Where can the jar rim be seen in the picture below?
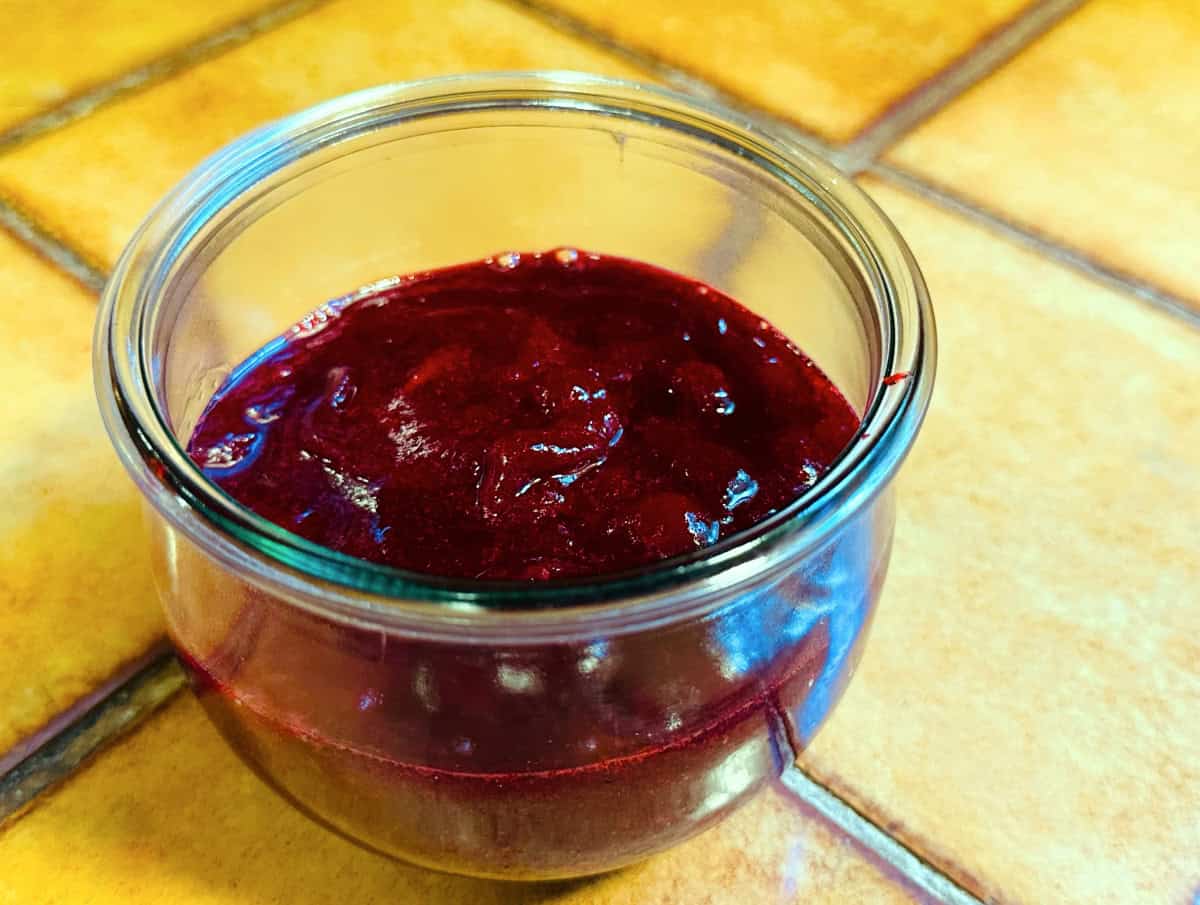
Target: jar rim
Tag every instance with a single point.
(333, 583)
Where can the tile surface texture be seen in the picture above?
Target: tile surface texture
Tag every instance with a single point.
(53, 51)
(832, 67)
(124, 157)
(76, 599)
(1028, 710)
(1088, 138)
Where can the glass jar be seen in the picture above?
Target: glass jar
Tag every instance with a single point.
(498, 729)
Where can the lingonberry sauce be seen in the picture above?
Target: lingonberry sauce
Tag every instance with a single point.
(525, 418)
(528, 417)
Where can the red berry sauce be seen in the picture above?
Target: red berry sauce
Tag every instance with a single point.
(526, 417)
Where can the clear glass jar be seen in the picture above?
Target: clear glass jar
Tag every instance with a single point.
(517, 731)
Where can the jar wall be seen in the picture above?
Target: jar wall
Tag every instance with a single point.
(521, 759)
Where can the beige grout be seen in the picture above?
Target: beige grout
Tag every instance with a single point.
(935, 93)
(1069, 257)
(154, 71)
(914, 869)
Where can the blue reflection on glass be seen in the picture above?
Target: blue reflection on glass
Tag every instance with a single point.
(844, 598)
(756, 629)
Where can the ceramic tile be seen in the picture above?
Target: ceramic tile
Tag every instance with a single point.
(134, 828)
(53, 51)
(92, 182)
(1027, 714)
(832, 67)
(75, 594)
(1086, 137)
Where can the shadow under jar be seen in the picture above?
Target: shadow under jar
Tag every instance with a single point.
(523, 731)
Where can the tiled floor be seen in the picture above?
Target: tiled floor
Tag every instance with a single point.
(1089, 138)
(127, 155)
(1036, 650)
(55, 51)
(832, 67)
(1027, 715)
(76, 599)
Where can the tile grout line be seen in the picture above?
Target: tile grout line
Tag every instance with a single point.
(154, 71)
(675, 77)
(1160, 299)
(977, 63)
(124, 708)
(62, 721)
(156, 677)
(922, 874)
(38, 238)
(50, 247)
(1018, 35)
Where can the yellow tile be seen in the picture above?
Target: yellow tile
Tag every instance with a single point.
(75, 593)
(170, 815)
(833, 67)
(1029, 706)
(1089, 138)
(93, 181)
(55, 50)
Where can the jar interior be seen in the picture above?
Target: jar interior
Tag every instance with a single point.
(422, 192)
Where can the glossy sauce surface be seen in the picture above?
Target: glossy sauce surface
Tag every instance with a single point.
(525, 417)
